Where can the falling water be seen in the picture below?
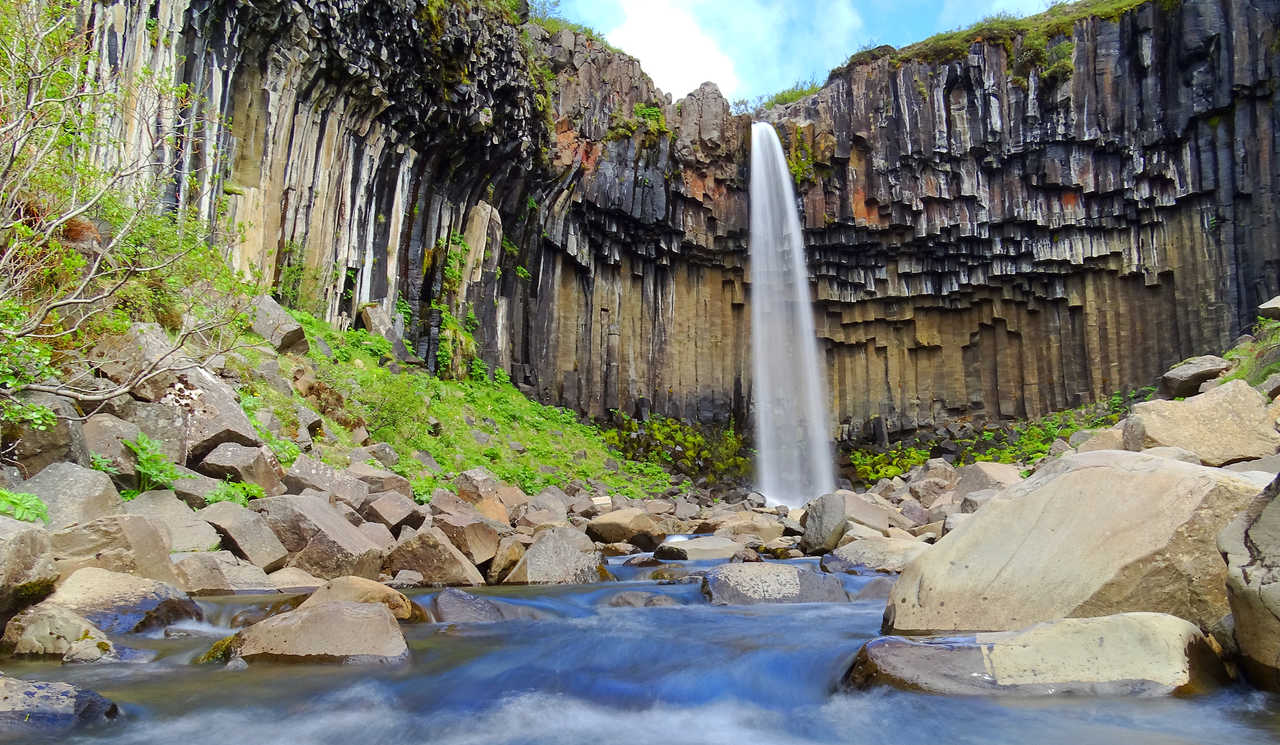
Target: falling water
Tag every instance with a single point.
(794, 460)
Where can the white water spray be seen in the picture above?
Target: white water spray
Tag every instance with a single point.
(793, 452)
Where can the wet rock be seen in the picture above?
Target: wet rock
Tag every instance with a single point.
(27, 570)
(509, 553)
(1251, 546)
(455, 606)
(220, 573)
(183, 527)
(250, 465)
(637, 599)
(632, 525)
(1058, 545)
(1185, 378)
(34, 709)
(273, 323)
(319, 539)
(122, 603)
(335, 631)
(763, 582)
(308, 473)
(246, 534)
(120, 543)
(432, 554)
(1144, 654)
(706, 547)
(877, 589)
(743, 524)
(49, 630)
(361, 590)
(876, 554)
(1225, 425)
(74, 494)
(558, 556)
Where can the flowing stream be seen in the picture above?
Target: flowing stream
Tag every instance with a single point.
(792, 438)
(587, 673)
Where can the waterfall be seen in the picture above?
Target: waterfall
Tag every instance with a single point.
(794, 454)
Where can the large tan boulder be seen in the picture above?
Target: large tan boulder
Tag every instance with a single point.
(1090, 534)
(122, 603)
(980, 476)
(1229, 423)
(1125, 654)
(361, 590)
(27, 571)
(432, 554)
(220, 573)
(319, 539)
(246, 534)
(1251, 546)
(1185, 378)
(558, 556)
(120, 543)
(74, 494)
(185, 530)
(879, 554)
(473, 535)
(334, 631)
(826, 519)
(631, 525)
(706, 547)
(250, 465)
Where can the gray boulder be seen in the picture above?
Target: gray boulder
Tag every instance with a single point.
(27, 570)
(319, 539)
(455, 606)
(473, 536)
(558, 556)
(336, 631)
(220, 573)
(1185, 378)
(251, 465)
(74, 494)
(309, 473)
(105, 436)
(1251, 546)
(380, 479)
(273, 323)
(765, 582)
(35, 449)
(120, 543)
(183, 527)
(1228, 424)
(49, 630)
(246, 534)
(430, 553)
(122, 603)
(877, 554)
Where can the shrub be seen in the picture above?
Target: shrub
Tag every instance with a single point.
(696, 452)
(871, 466)
(231, 491)
(154, 469)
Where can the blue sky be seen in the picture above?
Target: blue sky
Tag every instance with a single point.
(757, 47)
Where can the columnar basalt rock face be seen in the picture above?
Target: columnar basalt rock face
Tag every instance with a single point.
(976, 246)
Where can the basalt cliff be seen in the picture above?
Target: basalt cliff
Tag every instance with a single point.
(980, 242)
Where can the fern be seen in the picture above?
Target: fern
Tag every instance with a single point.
(230, 491)
(23, 506)
(155, 470)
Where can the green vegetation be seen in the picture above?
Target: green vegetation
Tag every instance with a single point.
(801, 89)
(154, 469)
(23, 506)
(645, 118)
(696, 452)
(870, 466)
(231, 491)
(285, 450)
(1259, 359)
(546, 13)
(800, 161)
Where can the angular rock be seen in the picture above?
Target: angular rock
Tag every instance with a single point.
(104, 436)
(632, 525)
(1251, 546)
(1107, 439)
(120, 543)
(1143, 654)
(635, 599)
(335, 631)
(122, 603)
(273, 323)
(183, 527)
(455, 606)
(432, 554)
(74, 494)
(250, 465)
(558, 556)
(764, 582)
(31, 710)
(319, 539)
(1186, 456)
(361, 590)
(27, 570)
(33, 450)
(49, 630)
(979, 476)
(510, 551)
(393, 510)
(826, 518)
(743, 524)
(220, 573)
(1060, 544)
(1270, 309)
(706, 547)
(1269, 464)
(246, 534)
(165, 424)
(293, 579)
(477, 484)
(378, 534)
(473, 536)
(1225, 425)
(380, 480)
(1184, 379)
(308, 473)
(193, 488)
(877, 554)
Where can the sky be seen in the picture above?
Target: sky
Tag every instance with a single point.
(757, 47)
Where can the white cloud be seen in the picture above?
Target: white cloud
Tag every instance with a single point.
(672, 47)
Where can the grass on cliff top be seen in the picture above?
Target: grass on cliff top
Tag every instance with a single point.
(481, 422)
(1003, 29)
(1259, 359)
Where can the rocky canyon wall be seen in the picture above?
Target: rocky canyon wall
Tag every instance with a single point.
(979, 242)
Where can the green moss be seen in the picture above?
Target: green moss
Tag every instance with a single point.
(1259, 359)
(220, 653)
(800, 161)
(30, 593)
(693, 451)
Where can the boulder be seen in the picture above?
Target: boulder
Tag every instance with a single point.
(318, 538)
(213, 411)
(250, 465)
(379, 534)
(1063, 544)
(74, 494)
(632, 525)
(1145, 654)
(120, 543)
(826, 517)
(473, 536)
(558, 556)
(309, 473)
(742, 524)
(49, 630)
(1225, 425)
(293, 579)
(165, 424)
(1184, 379)
(246, 534)
(33, 450)
(765, 582)
(220, 573)
(34, 710)
(432, 554)
(477, 484)
(183, 527)
(379, 451)
(1270, 309)
(194, 488)
(1186, 456)
(273, 323)
(636, 599)
(1251, 546)
(1269, 464)
(380, 479)
(707, 547)
(509, 553)
(1106, 439)
(455, 606)
(361, 590)
(334, 631)
(122, 603)
(973, 501)
(27, 570)
(979, 476)
(877, 554)
(393, 510)
(104, 436)
(1270, 387)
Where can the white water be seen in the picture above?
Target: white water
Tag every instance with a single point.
(794, 455)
